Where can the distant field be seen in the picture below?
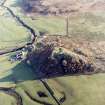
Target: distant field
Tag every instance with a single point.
(89, 26)
(11, 32)
(47, 24)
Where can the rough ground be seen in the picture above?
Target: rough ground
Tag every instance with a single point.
(61, 7)
(92, 51)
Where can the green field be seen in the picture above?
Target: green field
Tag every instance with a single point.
(82, 90)
(47, 24)
(11, 32)
(89, 26)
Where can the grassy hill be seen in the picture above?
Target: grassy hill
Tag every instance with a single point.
(79, 90)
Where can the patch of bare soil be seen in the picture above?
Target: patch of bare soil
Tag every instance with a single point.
(62, 7)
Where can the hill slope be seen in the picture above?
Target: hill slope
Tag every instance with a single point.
(59, 7)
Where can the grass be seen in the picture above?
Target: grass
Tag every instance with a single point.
(9, 100)
(11, 32)
(50, 25)
(32, 87)
(14, 71)
(82, 90)
(89, 26)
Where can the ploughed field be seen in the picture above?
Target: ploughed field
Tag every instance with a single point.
(69, 90)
